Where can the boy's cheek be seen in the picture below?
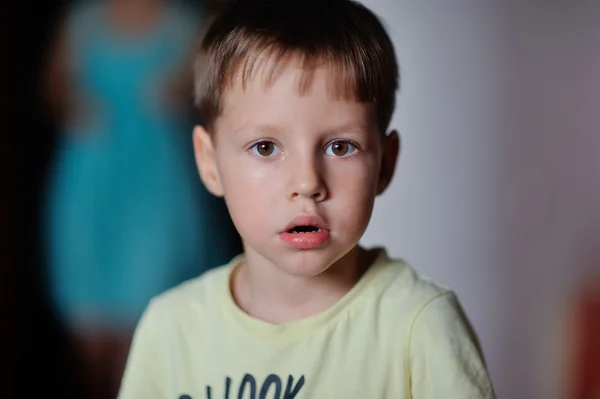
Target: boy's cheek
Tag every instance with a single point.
(251, 184)
(353, 183)
(251, 218)
(250, 191)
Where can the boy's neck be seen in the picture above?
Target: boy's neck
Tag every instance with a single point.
(269, 294)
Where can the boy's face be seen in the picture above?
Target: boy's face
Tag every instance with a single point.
(283, 159)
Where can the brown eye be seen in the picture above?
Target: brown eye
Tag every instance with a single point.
(265, 149)
(340, 149)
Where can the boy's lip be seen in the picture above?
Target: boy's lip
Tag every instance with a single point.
(307, 220)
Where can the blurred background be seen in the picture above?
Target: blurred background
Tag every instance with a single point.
(113, 212)
(497, 191)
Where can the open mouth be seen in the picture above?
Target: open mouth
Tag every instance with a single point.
(306, 232)
(304, 229)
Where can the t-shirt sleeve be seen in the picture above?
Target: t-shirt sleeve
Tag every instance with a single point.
(146, 374)
(445, 358)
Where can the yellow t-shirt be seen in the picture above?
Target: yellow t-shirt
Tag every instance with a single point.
(396, 334)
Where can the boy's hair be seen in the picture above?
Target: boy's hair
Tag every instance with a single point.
(341, 34)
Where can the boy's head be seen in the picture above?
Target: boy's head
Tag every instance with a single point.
(341, 34)
(296, 98)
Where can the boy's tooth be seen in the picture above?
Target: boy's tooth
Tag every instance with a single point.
(302, 231)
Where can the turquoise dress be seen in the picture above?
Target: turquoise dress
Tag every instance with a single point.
(127, 216)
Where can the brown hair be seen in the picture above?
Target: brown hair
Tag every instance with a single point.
(341, 33)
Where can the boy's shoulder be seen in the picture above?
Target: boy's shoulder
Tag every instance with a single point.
(398, 287)
(195, 294)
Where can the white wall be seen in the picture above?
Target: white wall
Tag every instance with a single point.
(497, 191)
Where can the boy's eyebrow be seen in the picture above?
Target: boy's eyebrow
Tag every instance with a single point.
(273, 130)
(263, 128)
(351, 127)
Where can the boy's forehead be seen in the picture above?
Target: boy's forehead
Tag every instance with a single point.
(272, 110)
(298, 73)
(292, 87)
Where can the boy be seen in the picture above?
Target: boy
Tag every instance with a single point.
(296, 98)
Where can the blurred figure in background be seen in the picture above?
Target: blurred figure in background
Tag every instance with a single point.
(126, 215)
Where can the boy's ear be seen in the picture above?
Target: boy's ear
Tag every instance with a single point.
(206, 161)
(391, 149)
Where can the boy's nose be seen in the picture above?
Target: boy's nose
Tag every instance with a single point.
(307, 182)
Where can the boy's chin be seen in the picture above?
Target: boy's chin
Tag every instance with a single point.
(303, 270)
(308, 263)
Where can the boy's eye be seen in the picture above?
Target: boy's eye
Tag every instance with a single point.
(340, 149)
(265, 149)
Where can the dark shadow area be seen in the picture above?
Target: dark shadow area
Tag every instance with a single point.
(41, 357)
(43, 361)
